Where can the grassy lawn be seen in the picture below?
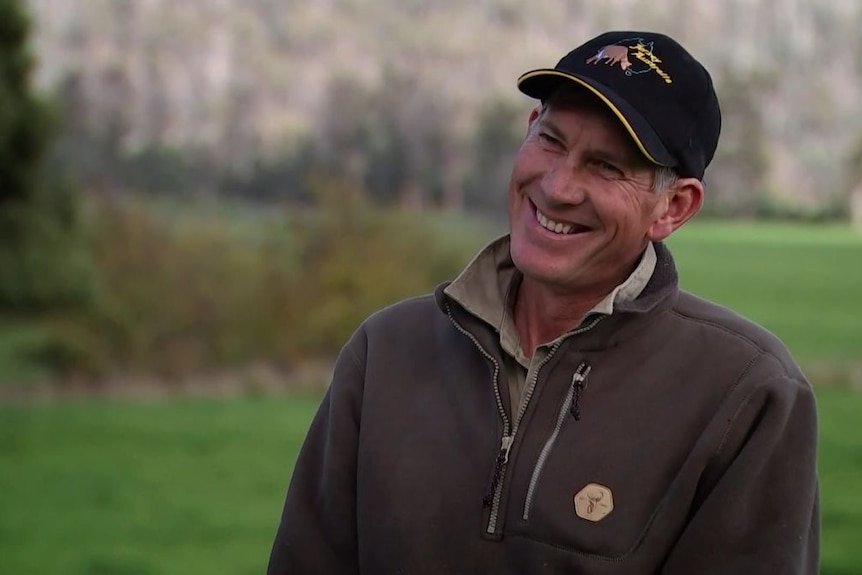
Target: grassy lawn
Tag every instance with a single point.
(185, 487)
(195, 486)
(840, 479)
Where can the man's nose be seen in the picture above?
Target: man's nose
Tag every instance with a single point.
(563, 183)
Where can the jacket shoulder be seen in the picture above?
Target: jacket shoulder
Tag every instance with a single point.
(728, 328)
(407, 314)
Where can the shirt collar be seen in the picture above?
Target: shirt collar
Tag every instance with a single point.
(487, 285)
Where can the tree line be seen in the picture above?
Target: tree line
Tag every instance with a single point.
(204, 97)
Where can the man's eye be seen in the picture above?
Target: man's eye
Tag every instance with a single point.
(608, 167)
(548, 139)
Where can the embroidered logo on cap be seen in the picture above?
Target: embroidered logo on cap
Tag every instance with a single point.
(640, 51)
(594, 502)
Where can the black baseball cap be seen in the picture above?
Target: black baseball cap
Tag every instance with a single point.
(661, 94)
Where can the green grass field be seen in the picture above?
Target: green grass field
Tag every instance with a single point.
(195, 487)
(183, 487)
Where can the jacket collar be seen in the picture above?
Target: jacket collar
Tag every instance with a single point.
(487, 308)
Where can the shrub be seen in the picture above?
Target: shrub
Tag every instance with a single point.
(181, 291)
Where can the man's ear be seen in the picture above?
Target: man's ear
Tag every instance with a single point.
(676, 206)
(534, 115)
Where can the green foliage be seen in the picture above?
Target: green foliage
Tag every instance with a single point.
(195, 487)
(195, 287)
(19, 339)
(356, 260)
(43, 260)
(24, 125)
(179, 295)
(183, 289)
(42, 264)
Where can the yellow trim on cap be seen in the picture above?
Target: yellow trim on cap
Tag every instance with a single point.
(602, 97)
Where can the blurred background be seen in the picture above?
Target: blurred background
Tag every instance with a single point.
(201, 200)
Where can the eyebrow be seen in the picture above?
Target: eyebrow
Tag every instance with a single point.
(630, 158)
(547, 124)
(622, 160)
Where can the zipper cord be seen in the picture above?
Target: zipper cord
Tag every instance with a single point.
(495, 480)
(499, 465)
(579, 384)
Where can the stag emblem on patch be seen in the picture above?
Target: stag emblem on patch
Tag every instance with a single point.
(594, 502)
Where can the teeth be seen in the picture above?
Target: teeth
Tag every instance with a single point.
(553, 226)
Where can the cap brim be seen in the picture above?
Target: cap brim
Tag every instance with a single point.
(541, 83)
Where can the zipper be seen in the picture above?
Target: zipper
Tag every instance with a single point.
(500, 470)
(495, 489)
(490, 358)
(570, 405)
(492, 495)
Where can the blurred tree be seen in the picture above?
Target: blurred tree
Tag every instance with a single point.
(853, 196)
(393, 140)
(495, 143)
(42, 261)
(286, 176)
(91, 140)
(737, 176)
(414, 121)
(345, 132)
(232, 80)
(854, 164)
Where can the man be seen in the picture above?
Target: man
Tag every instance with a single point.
(562, 406)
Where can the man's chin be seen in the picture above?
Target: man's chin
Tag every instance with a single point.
(542, 268)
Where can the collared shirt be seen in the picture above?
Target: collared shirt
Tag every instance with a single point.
(487, 288)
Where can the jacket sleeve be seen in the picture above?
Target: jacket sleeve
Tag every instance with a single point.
(760, 512)
(317, 532)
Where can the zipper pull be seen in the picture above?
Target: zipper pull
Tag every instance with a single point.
(579, 384)
(506, 447)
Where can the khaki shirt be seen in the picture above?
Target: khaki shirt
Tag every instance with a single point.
(487, 288)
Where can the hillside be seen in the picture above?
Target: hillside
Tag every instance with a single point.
(238, 78)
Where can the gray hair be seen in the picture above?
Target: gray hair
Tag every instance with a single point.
(663, 179)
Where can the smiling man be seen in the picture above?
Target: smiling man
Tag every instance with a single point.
(562, 406)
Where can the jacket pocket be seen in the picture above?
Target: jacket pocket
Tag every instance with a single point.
(596, 484)
(571, 407)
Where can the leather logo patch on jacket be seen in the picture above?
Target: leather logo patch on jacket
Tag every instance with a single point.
(594, 502)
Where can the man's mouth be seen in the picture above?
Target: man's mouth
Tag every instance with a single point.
(561, 228)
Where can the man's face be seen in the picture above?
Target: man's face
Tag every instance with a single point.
(580, 173)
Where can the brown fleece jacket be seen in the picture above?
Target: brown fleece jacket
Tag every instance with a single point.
(672, 437)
